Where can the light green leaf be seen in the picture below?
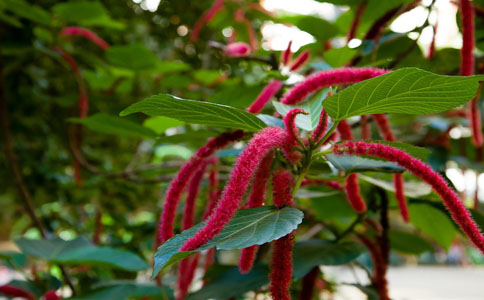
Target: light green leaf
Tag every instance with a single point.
(171, 150)
(196, 112)
(249, 227)
(126, 290)
(321, 29)
(412, 188)
(434, 223)
(338, 57)
(404, 91)
(409, 243)
(311, 253)
(81, 252)
(134, 57)
(28, 11)
(313, 107)
(114, 125)
(160, 124)
(87, 13)
(355, 164)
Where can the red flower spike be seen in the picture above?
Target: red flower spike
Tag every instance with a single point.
(457, 209)
(308, 284)
(281, 266)
(256, 199)
(400, 195)
(387, 133)
(13, 291)
(476, 126)
(379, 267)
(165, 230)
(74, 30)
(287, 54)
(290, 124)
(269, 91)
(205, 18)
(468, 42)
(300, 61)
(51, 295)
(237, 49)
(365, 128)
(431, 54)
(328, 78)
(247, 162)
(321, 128)
(356, 21)
(352, 188)
(186, 273)
(213, 190)
(193, 187)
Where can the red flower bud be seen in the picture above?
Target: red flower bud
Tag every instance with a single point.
(321, 128)
(286, 54)
(237, 49)
(300, 61)
(269, 91)
(205, 18)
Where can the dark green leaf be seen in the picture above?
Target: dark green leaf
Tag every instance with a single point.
(135, 57)
(126, 290)
(249, 227)
(197, 112)
(114, 125)
(335, 206)
(88, 13)
(231, 284)
(404, 91)
(411, 188)
(28, 11)
(239, 95)
(354, 164)
(311, 253)
(321, 29)
(434, 223)
(409, 243)
(338, 57)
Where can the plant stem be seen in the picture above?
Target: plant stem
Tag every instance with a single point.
(327, 135)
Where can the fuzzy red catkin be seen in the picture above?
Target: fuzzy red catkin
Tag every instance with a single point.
(308, 284)
(321, 128)
(248, 161)
(237, 49)
(193, 187)
(300, 61)
(186, 273)
(205, 18)
(51, 295)
(328, 78)
(265, 95)
(398, 182)
(457, 209)
(213, 190)
(167, 218)
(379, 267)
(290, 124)
(287, 54)
(365, 128)
(13, 291)
(352, 187)
(74, 30)
(281, 265)
(256, 199)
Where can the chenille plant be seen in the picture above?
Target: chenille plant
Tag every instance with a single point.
(328, 154)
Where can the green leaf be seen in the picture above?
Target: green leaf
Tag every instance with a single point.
(126, 290)
(28, 11)
(239, 95)
(232, 284)
(334, 206)
(160, 124)
(134, 57)
(171, 150)
(81, 252)
(196, 112)
(434, 223)
(313, 107)
(114, 125)
(412, 189)
(404, 91)
(338, 57)
(249, 227)
(87, 13)
(355, 164)
(409, 243)
(318, 27)
(311, 253)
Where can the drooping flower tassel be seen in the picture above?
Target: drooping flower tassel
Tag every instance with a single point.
(167, 217)
(379, 267)
(467, 67)
(256, 199)
(457, 209)
(281, 265)
(74, 30)
(365, 128)
(321, 128)
(293, 138)
(247, 162)
(352, 188)
(308, 284)
(205, 18)
(328, 78)
(398, 182)
(13, 292)
(269, 91)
